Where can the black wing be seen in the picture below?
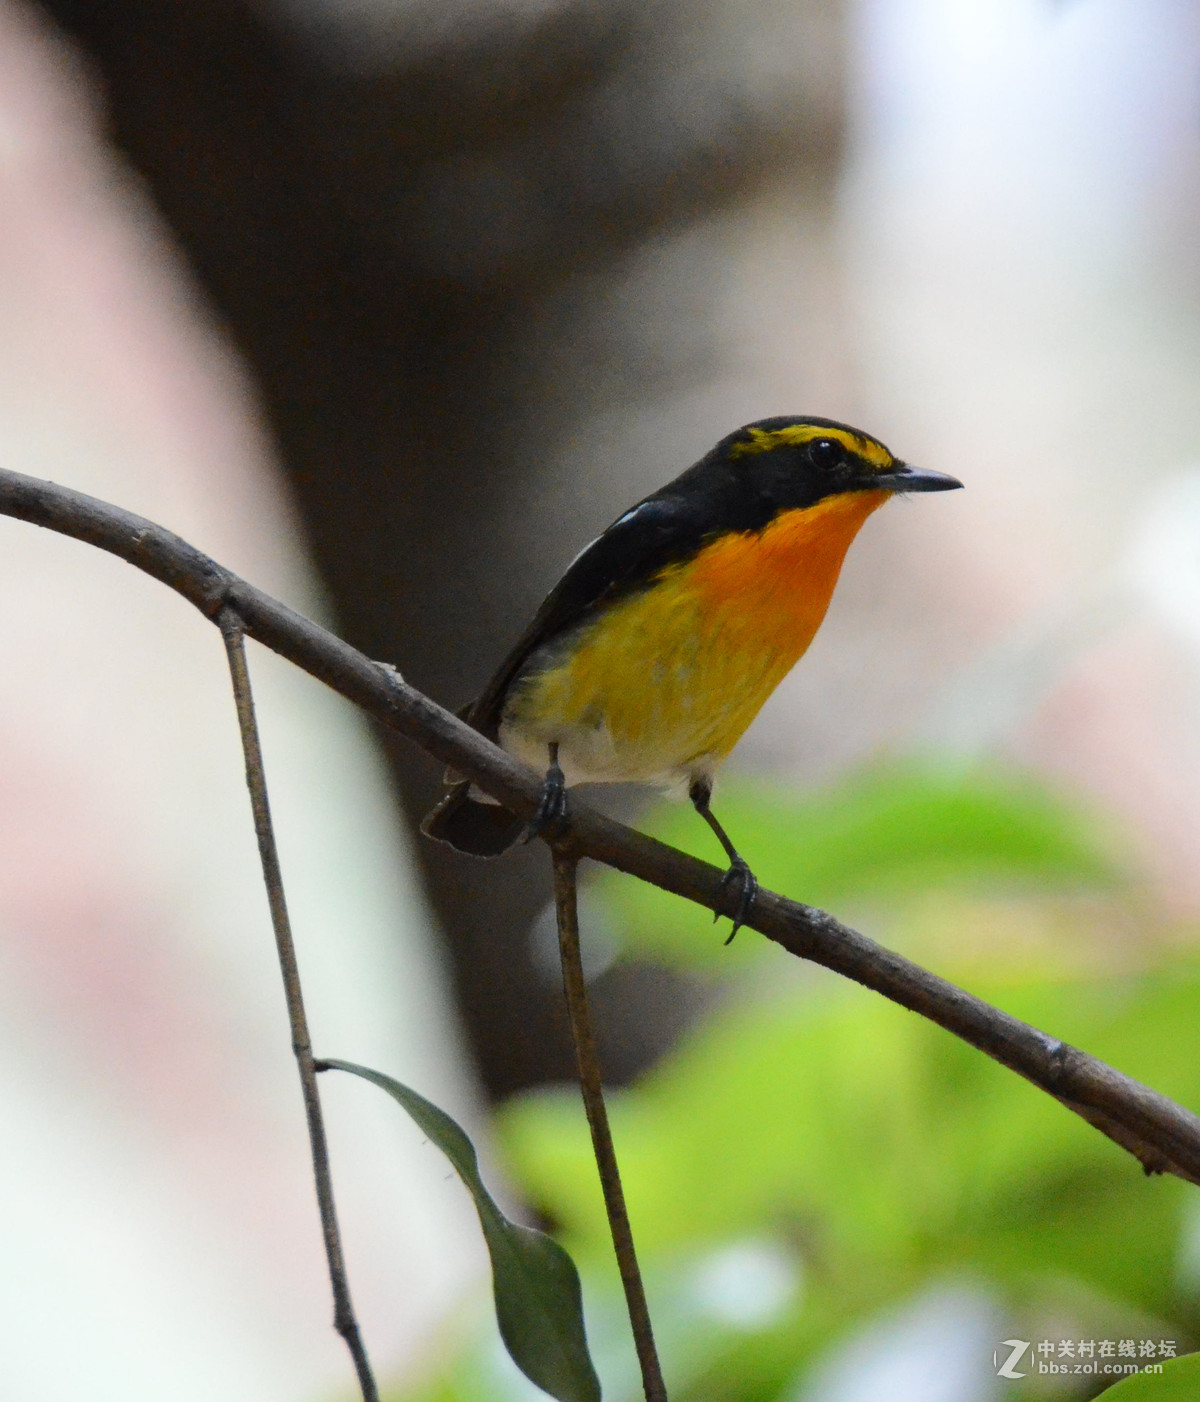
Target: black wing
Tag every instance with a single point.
(634, 549)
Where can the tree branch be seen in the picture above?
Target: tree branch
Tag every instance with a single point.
(1164, 1136)
(566, 907)
(344, 1318)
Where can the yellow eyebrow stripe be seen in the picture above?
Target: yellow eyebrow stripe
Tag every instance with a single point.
(763, 440)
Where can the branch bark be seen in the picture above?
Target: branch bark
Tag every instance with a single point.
(344, 1318)
(1164, 1136)
(566, 907)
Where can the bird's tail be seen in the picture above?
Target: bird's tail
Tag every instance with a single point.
(470, 825)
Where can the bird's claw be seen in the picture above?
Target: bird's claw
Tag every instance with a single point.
(740, 872)
(552, 806)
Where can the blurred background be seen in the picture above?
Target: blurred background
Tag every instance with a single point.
(391, 306)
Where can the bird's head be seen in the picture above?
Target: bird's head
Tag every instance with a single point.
(797, 462)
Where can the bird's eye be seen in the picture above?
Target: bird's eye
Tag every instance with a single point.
(825, 453)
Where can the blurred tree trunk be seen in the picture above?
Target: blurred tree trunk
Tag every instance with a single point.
(379, 230)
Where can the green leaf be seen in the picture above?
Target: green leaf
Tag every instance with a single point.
(881, 834)
(900, 1153)
(1179, 1381)
(539, 1305)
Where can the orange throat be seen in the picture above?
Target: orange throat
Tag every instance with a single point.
(780, 580)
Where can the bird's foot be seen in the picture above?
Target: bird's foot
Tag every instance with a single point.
(552, 806)
(747, 882)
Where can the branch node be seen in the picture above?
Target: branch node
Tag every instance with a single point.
(1061, 1061)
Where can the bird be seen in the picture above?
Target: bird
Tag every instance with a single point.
(650, 657)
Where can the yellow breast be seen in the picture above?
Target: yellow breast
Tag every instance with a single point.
(672, 676)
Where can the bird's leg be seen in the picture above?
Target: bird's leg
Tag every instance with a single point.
(700, 793)
(552, 806)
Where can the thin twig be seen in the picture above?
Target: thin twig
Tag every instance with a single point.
(344, 1320)
(566, 906)
(1163, 1135)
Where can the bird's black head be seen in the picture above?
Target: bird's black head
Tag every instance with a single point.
(796, 462)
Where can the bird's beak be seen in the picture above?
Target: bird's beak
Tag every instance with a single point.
(902, 478)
